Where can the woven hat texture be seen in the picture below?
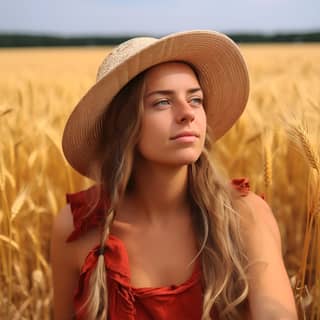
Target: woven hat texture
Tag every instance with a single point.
(222, 72)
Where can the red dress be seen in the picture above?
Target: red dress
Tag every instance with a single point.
(126, 302)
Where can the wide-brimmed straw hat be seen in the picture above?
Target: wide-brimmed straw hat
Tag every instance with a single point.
(221, 69)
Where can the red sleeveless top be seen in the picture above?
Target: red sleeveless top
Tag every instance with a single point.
(182, 301)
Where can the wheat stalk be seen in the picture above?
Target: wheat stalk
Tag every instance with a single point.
(299, 134)
(267, 140)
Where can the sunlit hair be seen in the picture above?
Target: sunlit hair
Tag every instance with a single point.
(216, 222)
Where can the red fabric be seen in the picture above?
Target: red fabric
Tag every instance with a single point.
(126, 302)
(242, 185)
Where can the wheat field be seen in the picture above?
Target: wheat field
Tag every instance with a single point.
(275, 144)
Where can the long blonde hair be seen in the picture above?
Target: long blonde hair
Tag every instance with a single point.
(216, 222)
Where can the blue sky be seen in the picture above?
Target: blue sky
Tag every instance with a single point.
(103, 17)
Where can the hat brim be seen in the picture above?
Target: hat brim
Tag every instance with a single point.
(223, 77)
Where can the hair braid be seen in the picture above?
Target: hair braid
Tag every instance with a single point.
(121, 131)
(96, 303)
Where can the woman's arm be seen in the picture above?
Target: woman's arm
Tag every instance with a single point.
(270, 293)
(64, 266)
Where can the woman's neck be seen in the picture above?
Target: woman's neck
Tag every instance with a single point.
(159, 191)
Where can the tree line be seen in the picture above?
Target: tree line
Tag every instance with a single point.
(28, 40)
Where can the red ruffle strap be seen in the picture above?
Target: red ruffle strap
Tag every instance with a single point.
(87, 211)
(242, 185)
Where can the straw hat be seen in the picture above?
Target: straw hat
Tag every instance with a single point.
(222, 72)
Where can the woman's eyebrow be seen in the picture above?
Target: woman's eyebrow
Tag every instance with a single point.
(171, 92)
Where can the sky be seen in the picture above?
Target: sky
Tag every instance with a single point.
(159, 17)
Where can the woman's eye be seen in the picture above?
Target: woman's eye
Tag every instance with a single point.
(161, 103)
(196, 101)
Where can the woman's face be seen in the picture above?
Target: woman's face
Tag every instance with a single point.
(174, 121)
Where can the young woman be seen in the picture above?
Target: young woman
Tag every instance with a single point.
(162, 235)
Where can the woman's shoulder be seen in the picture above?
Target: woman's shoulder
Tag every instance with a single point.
(63, 223)
(258, 222)
(87, 209)
(256, 211)
(270, 291)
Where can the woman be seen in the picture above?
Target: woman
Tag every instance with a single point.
(162, 235)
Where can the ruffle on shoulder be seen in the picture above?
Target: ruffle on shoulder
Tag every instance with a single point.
(242, 185)
(88, 210)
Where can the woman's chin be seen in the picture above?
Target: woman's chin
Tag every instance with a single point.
(182, 161)
(172, 158)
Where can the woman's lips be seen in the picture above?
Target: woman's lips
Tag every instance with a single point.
(186, 136)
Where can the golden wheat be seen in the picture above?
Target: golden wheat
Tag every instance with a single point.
(39, 88)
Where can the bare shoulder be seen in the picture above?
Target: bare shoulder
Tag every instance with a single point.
(64, 268)
(73, 252)
(258, 219)
(62, 252)
(66, 261)
(62, 224)
(270, 293)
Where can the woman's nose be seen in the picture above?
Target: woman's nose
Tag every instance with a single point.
(185, 112)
